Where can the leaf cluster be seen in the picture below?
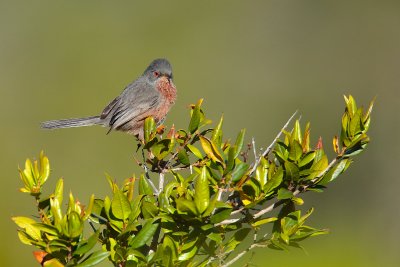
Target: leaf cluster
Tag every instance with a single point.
(212, 195)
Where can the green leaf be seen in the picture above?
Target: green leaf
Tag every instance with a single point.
(195, 118)
(217, 237)
(262, 172)
(94, 259)
(292, 171)
(216, 137)
(298, 201)
(149, 128)
(183, 157)
(283, 193)
(281, 151)
(307, 158)
(296, 133)
(149, 209)
(144, 187)
(230, 164)
(275, 180)
(74, 225)
(335, 171)
(169, 242)
(56, 212)
(220, 215)
(145, 234)
(263, 221)
(86, 245)
(44, 169)
(355, 123)
(188, 255)
(28, 225)
(239, 171)
(52, 263)
(236, 239)
(306, 139)
(58, 192)
(296, 151)
(202, 192)
(318, 167)
(239, 142)
(186, 206)
(89, 208)
(46, 228)
(136, 206)
(210, 149)
(195, 151)
(120, 206)
(162, 148)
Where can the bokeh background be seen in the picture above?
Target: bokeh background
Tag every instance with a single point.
(255, 61)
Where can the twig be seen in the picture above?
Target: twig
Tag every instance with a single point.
(254, 167)
(253, 144)
(228, 221)
(241, 254)
(161, 182)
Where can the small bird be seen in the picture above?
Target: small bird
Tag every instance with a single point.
(152, 94)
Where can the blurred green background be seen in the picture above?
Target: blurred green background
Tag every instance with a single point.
(255, 61)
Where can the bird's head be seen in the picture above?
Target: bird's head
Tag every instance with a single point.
(158, 69)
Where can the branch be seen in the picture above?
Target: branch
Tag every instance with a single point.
(241, 254)
(161, 182)
(272, 144)
(253, 143)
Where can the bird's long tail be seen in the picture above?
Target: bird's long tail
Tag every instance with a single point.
(68, 123)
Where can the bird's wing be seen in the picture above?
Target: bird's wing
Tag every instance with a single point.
(107, 110)
(139, 98)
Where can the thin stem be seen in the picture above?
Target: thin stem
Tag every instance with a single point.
(161, 182)
(241, 254)
(253, 144)
(254, 167)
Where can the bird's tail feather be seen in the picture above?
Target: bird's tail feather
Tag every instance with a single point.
(68, 123)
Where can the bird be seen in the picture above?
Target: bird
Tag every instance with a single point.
(151, 94)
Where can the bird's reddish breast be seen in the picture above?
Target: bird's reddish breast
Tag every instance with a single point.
(167, 89)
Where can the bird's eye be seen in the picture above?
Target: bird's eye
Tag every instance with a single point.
(156, 73)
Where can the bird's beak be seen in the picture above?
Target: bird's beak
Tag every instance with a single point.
(168, 78)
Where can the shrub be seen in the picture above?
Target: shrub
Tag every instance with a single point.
(212, 195)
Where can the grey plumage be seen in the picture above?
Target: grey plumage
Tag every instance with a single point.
(68, 123)
(138, 100)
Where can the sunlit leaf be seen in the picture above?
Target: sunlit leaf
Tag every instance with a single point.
(210, 149)
(195, 151)
(120, 206)
(239, 142)
(216, 137)
(195, 118)
(283, 193)
(94, 259)
(145, 234)
(28, 225)
(149, 128)
(263, 221)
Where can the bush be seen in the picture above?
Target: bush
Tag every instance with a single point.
(218, 194)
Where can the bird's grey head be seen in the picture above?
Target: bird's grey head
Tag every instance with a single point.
(157, 69)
